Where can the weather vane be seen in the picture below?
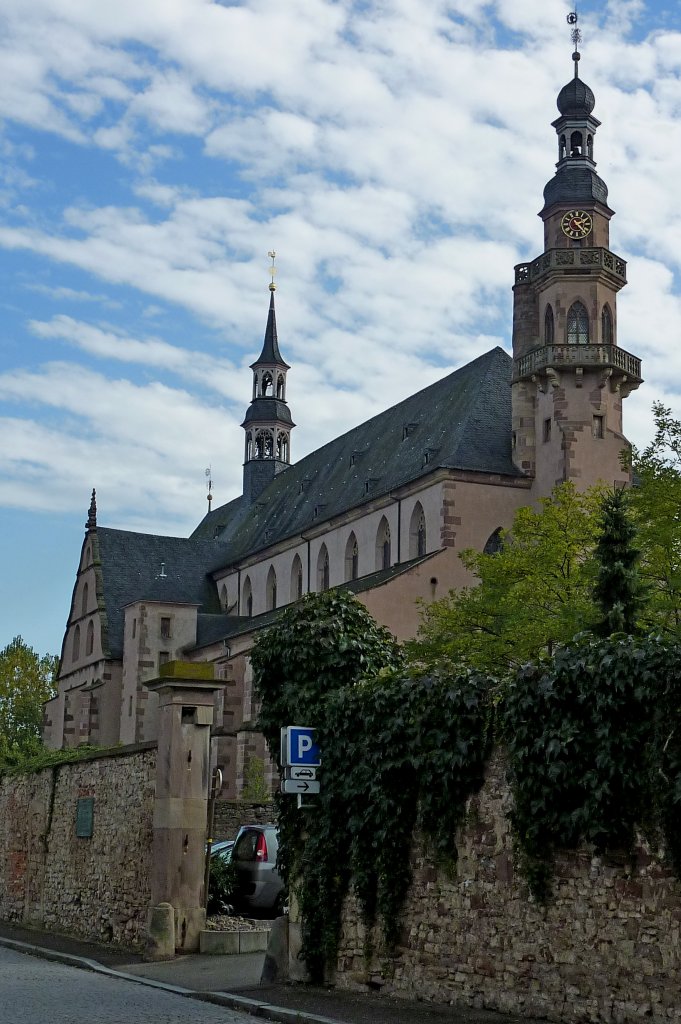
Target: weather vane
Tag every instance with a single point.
(272, 255)
(209, 485)
(576, 35)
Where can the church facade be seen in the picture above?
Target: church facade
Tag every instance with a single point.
(383, 510)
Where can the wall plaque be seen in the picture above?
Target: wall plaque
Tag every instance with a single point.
(85, 815)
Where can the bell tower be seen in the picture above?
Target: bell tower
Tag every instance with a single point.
(268, 422)
(569, 375)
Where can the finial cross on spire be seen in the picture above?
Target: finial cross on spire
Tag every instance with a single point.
(272, 255)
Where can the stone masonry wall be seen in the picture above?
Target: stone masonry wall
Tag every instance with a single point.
(605, 948)
(230, 815)
(97, 887)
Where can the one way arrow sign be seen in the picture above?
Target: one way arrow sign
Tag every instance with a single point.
(293, 786)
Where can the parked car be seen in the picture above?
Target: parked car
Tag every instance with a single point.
(222, 849)
(258, 885)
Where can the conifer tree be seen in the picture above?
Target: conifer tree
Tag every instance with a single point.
(618, 591)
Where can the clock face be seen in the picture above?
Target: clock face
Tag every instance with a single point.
(576, 224)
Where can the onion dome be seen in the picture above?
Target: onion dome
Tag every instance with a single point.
(576, 99)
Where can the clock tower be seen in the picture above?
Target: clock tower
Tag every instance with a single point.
(569, 374)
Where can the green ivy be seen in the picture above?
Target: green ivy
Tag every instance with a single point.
(594, 750)
(398, 749)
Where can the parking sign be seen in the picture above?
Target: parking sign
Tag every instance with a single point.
(299, 747)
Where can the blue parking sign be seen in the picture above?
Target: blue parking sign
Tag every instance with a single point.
(301, 748)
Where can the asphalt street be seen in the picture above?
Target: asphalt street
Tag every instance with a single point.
(35, 991)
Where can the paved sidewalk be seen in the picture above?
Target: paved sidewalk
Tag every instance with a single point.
(234, 981)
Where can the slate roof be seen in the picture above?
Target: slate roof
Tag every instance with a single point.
(576, 99)
(130, 564)
(462, 421)
(270, 349)
(575, 184)
(264, 410)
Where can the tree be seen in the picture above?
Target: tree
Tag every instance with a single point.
(618, 591)
(532, 594)
(656, 509)
(26, 681)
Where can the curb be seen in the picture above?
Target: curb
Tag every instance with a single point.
(254, 1007)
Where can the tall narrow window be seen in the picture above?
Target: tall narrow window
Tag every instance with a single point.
(351, 558)
(83, 604)
(548, 326)
(323, 569)
(76, 643)
(383, 555)
(267, 385)
(547, 429)
(247, 598)
(296, 579)
(165, 628)
(597, 429)
(90, 639)
(577, 325)
(417, 532)
(271, 589)
(606, 326)
(280, 386)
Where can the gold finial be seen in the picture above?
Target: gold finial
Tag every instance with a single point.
(272, 255)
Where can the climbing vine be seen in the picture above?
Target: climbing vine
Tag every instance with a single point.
(592, 736)
(595, 751)
(398, 749)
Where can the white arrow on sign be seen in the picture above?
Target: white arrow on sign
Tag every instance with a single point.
(293, 786)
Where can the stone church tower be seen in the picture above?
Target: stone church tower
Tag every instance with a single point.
(569, 375)
(268, 422)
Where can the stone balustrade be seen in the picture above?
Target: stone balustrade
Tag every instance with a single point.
(560, 356)
(583, 260)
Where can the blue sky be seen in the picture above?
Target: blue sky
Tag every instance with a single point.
(392, 153)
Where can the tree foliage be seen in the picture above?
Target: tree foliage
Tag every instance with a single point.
(26, 682)
(594, 748)
(618, 591)
(396, 748)
(534, 593)
(656, 508)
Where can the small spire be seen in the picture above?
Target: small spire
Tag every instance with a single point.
(576, 35)
(270, 350)
(92, 513)
(272, 255)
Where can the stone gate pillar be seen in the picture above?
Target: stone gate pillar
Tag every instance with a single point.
(186, 692)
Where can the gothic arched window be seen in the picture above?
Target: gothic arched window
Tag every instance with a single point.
(76, 643)
(267, 385)
(271, 589)
(590, 147)
(351, 558)
(223, 597)
(296, 579)
(282, 447)
(249, 446)
(90, 639)
(280, 386)
(323, 569)
(417, 532)
(494, 543)
(83, 603)
(548, 326)
(561, 148)
(383, 559)
(247, 598)
(606, 326)
(577, 325)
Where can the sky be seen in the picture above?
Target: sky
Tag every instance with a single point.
(392, 152)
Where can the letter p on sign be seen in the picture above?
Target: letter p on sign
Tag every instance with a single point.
(301, 748)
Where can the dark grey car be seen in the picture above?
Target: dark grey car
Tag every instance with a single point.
(254, 856)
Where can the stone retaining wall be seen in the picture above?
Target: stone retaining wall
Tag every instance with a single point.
(605, 948)
(97, 887)
(230, 815)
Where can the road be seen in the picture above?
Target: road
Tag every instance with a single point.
(35, 991)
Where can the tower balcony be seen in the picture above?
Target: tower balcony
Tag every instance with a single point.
(619, 367)
(572, 261)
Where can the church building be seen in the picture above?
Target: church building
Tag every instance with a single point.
(385, 509)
